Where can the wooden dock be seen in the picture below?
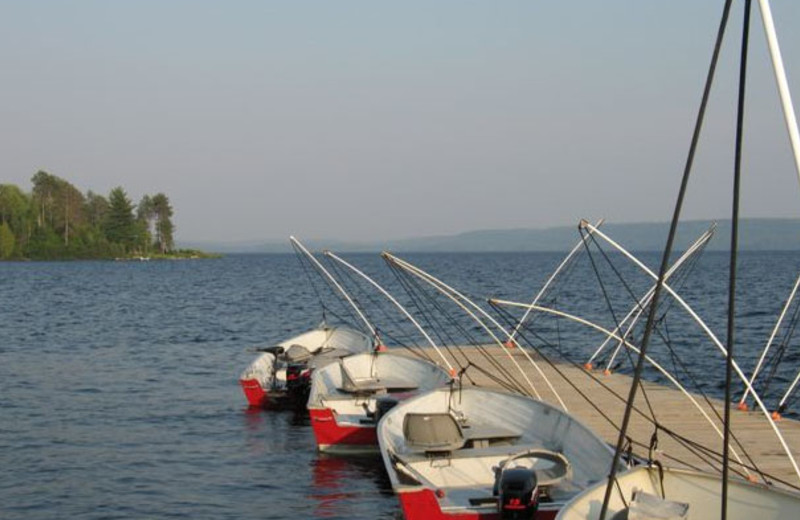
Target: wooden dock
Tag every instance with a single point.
(758, 447)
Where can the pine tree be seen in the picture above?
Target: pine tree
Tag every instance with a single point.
(164, 225)
(120, 225)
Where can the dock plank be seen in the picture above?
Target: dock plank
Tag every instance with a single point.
(758, 445)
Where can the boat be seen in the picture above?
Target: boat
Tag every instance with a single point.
(281, 374)
(652, 491)
(477, 454)
(348, 397)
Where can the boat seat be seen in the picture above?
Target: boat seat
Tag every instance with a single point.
(482, 436)
(350, 385)
(645, 505)
(371, 385)
(432, 432)
(297, 354)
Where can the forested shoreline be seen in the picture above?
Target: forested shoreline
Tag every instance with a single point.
(56, 221)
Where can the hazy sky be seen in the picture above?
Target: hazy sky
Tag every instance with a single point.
(365, 120)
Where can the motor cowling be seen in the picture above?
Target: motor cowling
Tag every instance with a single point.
(383, 405)
(298, 380)
(518, 494)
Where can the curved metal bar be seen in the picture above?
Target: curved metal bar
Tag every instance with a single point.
(638, 309)
(635, 349)
(392, 299)
(450, 292)
(789, 391)
(771, 339)
(716, 342)
(552, 278)
(336, 284)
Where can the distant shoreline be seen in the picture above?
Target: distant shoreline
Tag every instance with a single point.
(755, 234)
(183, 254)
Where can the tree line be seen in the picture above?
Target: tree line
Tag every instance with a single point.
(56, 221)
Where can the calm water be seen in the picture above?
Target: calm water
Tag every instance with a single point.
(119, 394)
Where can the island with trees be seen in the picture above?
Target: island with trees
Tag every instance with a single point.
(55, 221)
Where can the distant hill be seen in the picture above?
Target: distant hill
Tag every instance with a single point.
(755, 235)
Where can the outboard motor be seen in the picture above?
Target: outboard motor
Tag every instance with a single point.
(518, 492)
(298, 382)
(382, 405)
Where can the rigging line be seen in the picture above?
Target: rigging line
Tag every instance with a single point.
(340, 289)
(614, 269)
(774, 363)
(667, 252)
(439, 315)
(347, 274)
(681, 278)
(424, 314)
(354, 288)
(307, 273)
(342, 319)
(777, 358)
(788, 401)
(506, 315)
(696, 448)
(782, 405)
(463, 302)
(415, 293)
(650, 360)
(737, 176)
(716, 342)
(610, 306)
(678, 438)
(394, 301)
(679, 270)
(685, 369)
(307, 266)
(707, 455)
(564, 263)
(456, 324)
(440, 308)
(554, 291)
(503, 383)
(775, 329)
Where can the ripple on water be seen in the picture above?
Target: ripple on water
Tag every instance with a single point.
(119, 391)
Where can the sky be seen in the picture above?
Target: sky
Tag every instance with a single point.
(369, 120)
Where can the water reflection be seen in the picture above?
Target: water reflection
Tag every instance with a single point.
(340, 484)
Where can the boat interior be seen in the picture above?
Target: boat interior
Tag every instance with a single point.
(456, 441)
(359, 388)
(692, 494)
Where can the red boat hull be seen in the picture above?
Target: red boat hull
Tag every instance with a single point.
(423, 505)
(255, 394)
(335, 437)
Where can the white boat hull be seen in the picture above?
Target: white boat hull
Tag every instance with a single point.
(701, 491)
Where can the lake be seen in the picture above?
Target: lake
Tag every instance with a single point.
(119, 379)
